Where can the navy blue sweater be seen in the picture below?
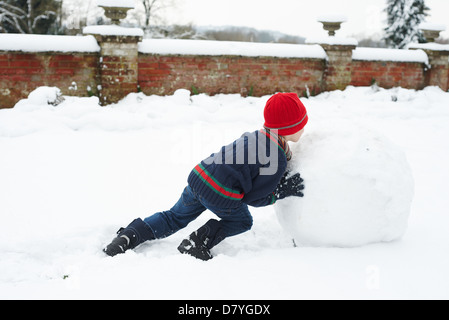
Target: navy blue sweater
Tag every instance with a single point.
(248, 171)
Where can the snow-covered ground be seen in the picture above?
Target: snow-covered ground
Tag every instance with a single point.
(71, 175)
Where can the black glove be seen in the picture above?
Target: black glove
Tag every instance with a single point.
(288, 187)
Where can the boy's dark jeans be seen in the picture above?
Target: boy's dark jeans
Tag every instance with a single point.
(189, 207)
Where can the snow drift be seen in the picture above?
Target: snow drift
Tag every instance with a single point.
(359, 187)
(72, 173)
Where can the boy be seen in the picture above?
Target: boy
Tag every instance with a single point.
(250, 171)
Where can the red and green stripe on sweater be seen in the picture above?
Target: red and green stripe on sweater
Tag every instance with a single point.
(229, 193)
(220, 189)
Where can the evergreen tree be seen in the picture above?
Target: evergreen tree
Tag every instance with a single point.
(30, 16)
(404, 18)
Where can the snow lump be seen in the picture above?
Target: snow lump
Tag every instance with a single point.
(359, 187)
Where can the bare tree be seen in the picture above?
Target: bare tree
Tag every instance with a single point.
(153, 9)
(12, 18)
(78, 14)
(29, 16)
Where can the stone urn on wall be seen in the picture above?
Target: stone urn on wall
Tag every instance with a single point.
(431, 31)
(332, 23)
(116, 9)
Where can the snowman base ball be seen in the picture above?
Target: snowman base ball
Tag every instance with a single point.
(358, 188)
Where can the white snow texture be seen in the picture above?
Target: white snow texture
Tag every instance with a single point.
(116, 3)
(231, 48)
(359, 187)
(108, 30)
(47, 43)
(72, 173)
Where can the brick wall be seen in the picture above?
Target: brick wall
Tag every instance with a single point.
(21, 73)
(116, 67)
(388, 74)
(224, 74)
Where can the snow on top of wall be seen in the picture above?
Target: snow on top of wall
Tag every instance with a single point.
(113, 30)
(47, 43)
(116, 3)
(230, 48)
(332, 41)
(429, 46)
(397, 55)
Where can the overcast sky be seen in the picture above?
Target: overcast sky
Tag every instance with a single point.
(296, 17)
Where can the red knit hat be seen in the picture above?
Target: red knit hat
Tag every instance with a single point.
(286, 113)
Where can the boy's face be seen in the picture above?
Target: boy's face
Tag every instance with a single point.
(294, 137)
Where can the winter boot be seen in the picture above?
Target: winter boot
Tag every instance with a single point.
(200, 242)
(130, 237)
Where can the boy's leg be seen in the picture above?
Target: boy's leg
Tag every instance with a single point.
(187, 209)
(130, 237)
(157, 226)
(233, 222)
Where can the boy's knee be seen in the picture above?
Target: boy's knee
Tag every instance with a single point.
(247, 224)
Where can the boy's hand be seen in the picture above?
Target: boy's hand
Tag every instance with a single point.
(288, 187)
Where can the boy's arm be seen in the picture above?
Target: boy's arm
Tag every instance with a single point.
(266, 201)
(287, 187)
(263, 188)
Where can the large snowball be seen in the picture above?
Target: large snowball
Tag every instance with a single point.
(359, 188)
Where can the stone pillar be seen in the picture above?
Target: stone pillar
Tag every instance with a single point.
(338, 72)
(118, 61)
(438, 73)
